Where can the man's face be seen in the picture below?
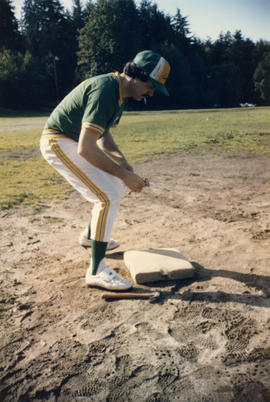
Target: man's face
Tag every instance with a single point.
(141, 90)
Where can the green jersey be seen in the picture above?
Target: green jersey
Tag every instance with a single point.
(96, 103)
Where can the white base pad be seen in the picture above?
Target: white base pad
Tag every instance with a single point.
(157, 265)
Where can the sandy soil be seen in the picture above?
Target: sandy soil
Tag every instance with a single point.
(208, 339)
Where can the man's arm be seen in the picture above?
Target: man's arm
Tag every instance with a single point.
(89, 149)
(108, 145)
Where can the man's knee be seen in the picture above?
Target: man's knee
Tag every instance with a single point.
(117, 192)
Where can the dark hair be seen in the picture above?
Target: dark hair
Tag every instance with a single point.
(132, 70)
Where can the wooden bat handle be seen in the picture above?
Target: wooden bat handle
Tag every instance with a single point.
(129, 295)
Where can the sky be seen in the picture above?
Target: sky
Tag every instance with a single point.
(209, 18)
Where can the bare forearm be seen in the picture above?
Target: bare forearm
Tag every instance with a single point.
(88, 149)
(116, 156)
(99, 159)
(107, 145)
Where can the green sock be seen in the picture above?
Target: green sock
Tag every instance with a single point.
(98, 253)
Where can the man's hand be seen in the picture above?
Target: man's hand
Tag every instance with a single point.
(133, 181)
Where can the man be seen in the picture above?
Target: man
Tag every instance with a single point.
(77, 142)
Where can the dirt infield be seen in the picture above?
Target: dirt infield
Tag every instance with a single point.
(208, 339)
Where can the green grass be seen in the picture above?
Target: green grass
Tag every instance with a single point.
(19, 133)
(147, 134)
(27, 179)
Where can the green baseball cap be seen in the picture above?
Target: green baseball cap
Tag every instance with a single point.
(156, 67)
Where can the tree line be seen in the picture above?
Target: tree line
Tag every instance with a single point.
(51, 49)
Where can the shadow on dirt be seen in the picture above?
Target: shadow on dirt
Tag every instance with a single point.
(258, 282)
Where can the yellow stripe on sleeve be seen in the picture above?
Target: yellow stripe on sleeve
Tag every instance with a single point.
(93, 126)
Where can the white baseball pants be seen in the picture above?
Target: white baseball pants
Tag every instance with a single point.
(95, 185)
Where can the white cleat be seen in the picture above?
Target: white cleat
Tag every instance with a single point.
(106, 278)
(84, 241)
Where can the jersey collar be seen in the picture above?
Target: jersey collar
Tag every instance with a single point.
(121, 99)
